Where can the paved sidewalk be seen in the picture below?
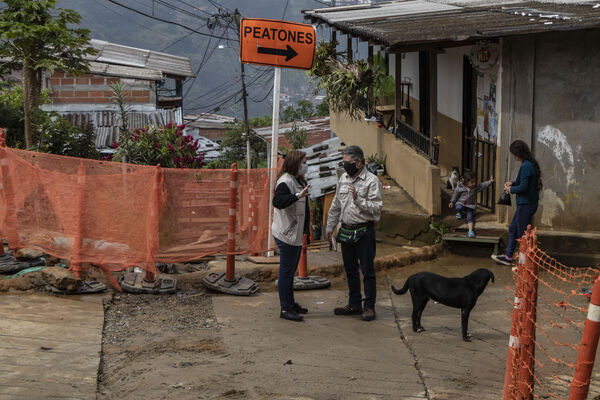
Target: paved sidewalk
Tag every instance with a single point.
(330, 357)
(49, 346)
(325, 357)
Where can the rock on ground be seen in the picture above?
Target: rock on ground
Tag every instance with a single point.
(25, 254)
(61, 279)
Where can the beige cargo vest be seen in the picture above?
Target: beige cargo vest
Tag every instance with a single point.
(288, 223)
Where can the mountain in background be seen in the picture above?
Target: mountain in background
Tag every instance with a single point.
(217, 86)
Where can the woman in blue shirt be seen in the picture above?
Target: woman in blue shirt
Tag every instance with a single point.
(527, 187)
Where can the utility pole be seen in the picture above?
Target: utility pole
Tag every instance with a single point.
(237, 18)
(245, 101)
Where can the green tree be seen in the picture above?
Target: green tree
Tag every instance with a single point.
(289, 114)
(297, 137)
(36, 36)
(11, 115)
(265, 120)
(55, 135)
(233, 148)
(323, 108)
(59, 137)
(305, 109)
(302, 111)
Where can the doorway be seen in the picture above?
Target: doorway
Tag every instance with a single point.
(469, 113)
(478, 153)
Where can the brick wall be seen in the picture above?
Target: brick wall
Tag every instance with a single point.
(95, 89)
(213, 134)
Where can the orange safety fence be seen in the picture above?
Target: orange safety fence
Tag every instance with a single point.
(116, 215)
(549, 313)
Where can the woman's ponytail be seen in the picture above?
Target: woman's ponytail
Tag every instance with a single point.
(537, 171)
(520, 149)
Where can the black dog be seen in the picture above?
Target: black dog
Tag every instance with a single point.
(454, 292)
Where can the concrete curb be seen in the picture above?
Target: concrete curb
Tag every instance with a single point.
(267, 273)
(386, 262)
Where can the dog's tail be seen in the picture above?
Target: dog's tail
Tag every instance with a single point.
(403, 290)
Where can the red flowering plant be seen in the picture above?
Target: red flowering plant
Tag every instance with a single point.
(165, 145)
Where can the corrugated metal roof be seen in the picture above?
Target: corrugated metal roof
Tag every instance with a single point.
(168, 64)
(312, 124)
(123, 71)
(208, 121)
(106, 123)
(415, 22)
(323, 159)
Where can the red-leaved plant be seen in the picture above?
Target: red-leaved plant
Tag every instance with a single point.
(164, 145)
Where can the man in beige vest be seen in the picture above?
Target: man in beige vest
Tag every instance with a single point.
(357, 203)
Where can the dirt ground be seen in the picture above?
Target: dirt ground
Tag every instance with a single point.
(199, 345)
(151, 345)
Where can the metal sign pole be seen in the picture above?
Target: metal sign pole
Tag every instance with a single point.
(274, 147)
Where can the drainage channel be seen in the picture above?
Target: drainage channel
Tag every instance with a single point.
(405, 341)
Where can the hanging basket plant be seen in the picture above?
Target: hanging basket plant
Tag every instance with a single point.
(348, 83)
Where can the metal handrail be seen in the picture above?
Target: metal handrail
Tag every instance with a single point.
(425, 145)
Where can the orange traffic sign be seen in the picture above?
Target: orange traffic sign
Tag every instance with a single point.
(277, 43)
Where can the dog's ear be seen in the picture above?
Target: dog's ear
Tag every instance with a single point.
(491, 275)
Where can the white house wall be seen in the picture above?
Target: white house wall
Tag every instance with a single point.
(450, 82)
(410, 71)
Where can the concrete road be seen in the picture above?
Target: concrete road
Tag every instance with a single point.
(333, 357)
(49, 346)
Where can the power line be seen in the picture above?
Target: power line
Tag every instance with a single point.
(204, 59)
(226, 99)
(194, 7)
(181, 10)
(168, 22)
(257, 74)
(211, 99)
(132, 20)
(201, 64)
(285, 9)
(176, 41)
(218, 5)
(264, 98)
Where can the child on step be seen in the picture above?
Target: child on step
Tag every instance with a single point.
(465, 198)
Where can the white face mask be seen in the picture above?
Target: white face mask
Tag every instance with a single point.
(303, 169)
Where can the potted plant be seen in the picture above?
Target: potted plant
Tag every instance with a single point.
(351, 86)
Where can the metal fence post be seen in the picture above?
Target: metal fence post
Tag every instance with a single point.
(152, 228)
(78, 239)
(151, 281)
(303, 280)
(227, 282)
(303, 270)
(527, 244)
(587, 349)
(10, 218)
(514, 343)
(233, 190)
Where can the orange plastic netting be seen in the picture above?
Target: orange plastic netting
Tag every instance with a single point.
(118, 215)
(558, 298)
